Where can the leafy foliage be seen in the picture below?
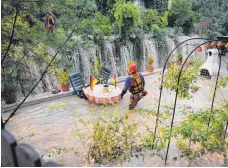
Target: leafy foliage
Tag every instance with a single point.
(150, 60)
(160, 5)
(18, 40)
(105, 7)
(112, 139)
(223, 82)
(127, 16)
(200, 137)
(180, 57)
(100, 24)
(96, 66)
(216, 12)
(63, 77)
(181, 15)
(30, 43)
(153, 21)
(187, 80)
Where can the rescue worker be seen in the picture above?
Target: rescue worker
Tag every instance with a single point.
(50, 20)
(135, 83)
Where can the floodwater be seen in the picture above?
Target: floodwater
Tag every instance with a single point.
(49, 126)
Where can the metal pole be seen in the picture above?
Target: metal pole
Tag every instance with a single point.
(2, 124)
(225, 130)
(212, 105)
(174, 108)
(161, 87)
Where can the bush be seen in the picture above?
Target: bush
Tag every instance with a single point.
(152, 20)
(187, 80)
(181, 15)
(112, 138)
(63, 77)
(100, 24)
(180, 57)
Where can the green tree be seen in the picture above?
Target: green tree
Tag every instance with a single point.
(128, 17)
(100, 24)
(152, 20)
(181, 15)
(105, 6)
(160, 5)
(216, 12)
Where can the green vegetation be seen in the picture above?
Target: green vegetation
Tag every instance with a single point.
(100, 24)
(153, 21)
(196, 137)
(127, 17)
(110, 137)
(181, 15)
(215, 12)
(180, 57)
(63, 77)
(187, 79)
(161, 5)
(96, 66)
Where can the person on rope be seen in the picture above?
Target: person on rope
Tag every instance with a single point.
(135, 83)
(50, 20)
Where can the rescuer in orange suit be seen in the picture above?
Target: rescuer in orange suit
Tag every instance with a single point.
(135, 83)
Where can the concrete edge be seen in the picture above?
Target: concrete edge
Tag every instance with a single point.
(60, 95)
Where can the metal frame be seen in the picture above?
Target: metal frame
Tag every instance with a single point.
(179, 75)
(212, 104)
(178, 82)
(161, 87)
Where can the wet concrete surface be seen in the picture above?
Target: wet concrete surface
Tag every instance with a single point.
(49, 126)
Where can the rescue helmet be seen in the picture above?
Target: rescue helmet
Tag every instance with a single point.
(133, 68)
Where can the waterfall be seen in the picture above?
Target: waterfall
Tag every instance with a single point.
(110, 54)
(170, 46)
(115, 57)
(126, 54)
(149, 49)
(86, 56)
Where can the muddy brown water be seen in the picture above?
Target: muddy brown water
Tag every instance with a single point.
(49, 126)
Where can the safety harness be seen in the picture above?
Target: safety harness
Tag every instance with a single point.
(50, 22)
(136, 85)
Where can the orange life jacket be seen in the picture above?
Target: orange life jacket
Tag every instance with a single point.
(136, 85)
